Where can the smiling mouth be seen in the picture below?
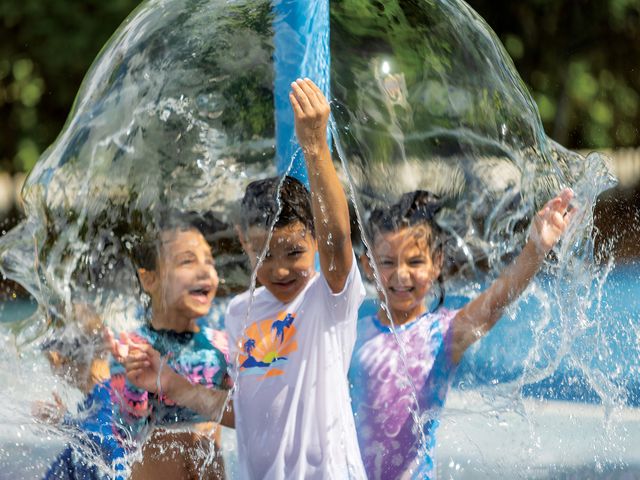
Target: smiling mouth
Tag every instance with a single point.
(401, 290)
(286, 284)
(200, 293)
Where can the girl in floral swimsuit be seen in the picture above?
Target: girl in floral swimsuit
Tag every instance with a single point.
(177, 271)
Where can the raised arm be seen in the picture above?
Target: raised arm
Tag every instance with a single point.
(330, 209)
(481, 314)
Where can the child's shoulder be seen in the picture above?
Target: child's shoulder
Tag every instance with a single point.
(210, 337)
(440, 320)
(445, 313)
(238, 304)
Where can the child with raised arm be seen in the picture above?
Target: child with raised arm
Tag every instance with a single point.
(172, 371)
(294, 338)
(407, 247)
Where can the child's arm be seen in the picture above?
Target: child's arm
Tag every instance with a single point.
(481, 314)
(147, 370)
(330, 209)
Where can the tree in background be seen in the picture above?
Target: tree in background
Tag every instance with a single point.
(581, 61)
(45, 50)
(580, 58)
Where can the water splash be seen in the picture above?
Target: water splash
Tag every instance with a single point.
(178, 111)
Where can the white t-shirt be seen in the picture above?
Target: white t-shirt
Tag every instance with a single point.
(292, 406)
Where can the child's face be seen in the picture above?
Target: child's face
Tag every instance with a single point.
(289, 262)
(185, 280)
(406, 268)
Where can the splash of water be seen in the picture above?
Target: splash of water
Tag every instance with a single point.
(433, 102)
(178, 111)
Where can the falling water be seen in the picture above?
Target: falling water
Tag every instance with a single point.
(178, 111)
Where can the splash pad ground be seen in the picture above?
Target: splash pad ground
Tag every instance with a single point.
(470, 447)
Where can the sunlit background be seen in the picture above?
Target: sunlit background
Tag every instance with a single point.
(579, 59)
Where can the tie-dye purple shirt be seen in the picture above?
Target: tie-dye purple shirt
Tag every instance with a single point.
(382, 399)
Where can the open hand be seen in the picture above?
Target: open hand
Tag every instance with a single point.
(551, 222)
(143, 366)
(141, 361)
(119, 347)
(311, 114)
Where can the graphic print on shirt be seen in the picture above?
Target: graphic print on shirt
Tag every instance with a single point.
(266, 345)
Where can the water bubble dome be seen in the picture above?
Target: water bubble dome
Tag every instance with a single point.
(180, 110)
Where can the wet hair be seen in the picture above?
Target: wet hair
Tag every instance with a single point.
(145, 251)
(417, 208)
(73, 345)
(79, 339)
(287, 198)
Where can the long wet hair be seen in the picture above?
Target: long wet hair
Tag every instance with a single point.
(147, 247)
(417, 208)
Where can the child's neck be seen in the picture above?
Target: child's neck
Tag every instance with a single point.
(162, 319)
(399, 318)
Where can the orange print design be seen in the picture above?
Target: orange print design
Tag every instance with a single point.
(266, 345)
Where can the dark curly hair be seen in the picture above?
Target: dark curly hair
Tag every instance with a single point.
(287, 198)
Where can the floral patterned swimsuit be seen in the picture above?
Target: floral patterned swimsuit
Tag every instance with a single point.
(202, 357)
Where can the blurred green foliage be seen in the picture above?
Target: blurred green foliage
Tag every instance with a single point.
(580, 58)
(581, 61)
(45, 50)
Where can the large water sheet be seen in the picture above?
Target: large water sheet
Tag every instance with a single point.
(179, 111)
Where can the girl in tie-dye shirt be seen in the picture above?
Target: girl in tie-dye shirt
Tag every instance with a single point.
(401, 378)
